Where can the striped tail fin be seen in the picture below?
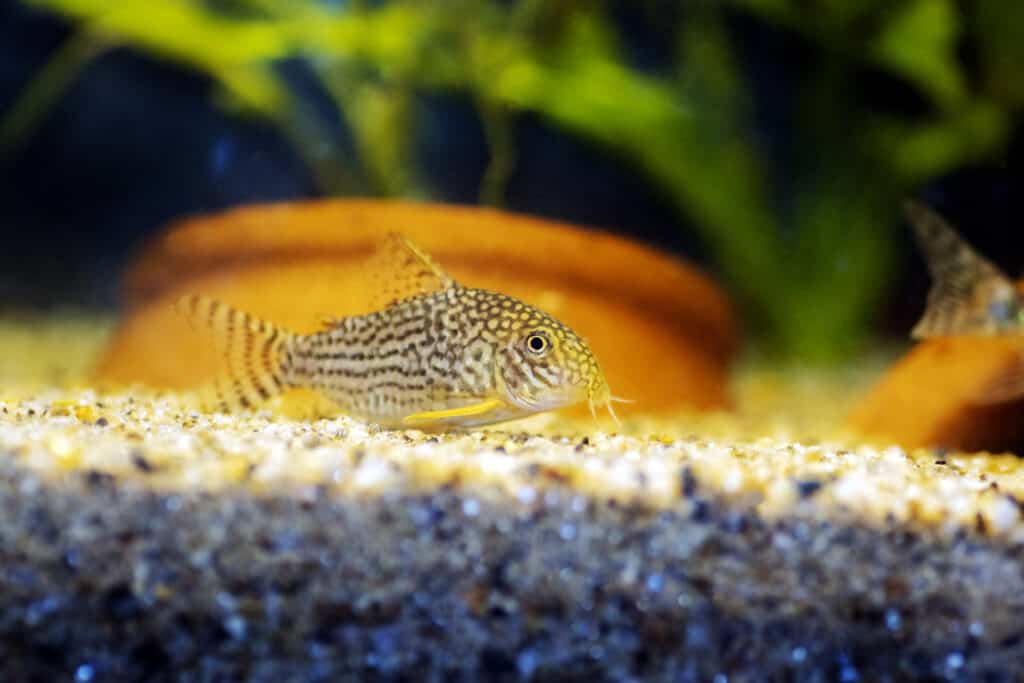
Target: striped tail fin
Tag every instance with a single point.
(254, 352)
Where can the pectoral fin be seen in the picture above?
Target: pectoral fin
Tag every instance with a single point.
(431, 416)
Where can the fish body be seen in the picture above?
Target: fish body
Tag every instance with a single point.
(449, 355)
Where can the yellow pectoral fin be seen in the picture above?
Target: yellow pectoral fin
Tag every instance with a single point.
(465, 411)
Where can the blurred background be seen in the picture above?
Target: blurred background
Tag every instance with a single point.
(771, 141)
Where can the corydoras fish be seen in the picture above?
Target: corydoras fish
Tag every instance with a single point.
(969, 296)
(440, 354)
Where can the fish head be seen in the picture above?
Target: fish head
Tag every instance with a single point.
(545, 365)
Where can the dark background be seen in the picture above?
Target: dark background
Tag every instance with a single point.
(135, 143)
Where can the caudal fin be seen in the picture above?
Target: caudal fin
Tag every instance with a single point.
(254, 352)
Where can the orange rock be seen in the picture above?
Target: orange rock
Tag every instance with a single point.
(928, 397)
(664, 333)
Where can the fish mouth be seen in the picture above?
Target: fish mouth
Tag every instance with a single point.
(549, 400)
(536, 404)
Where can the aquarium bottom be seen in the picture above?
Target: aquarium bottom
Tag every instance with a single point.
(104, 581)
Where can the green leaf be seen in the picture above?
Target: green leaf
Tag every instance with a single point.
(919, 43)
(916, 152)
(45, 88)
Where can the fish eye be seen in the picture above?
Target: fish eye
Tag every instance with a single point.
(537, 343)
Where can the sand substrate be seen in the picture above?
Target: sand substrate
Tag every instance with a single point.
(143, 540)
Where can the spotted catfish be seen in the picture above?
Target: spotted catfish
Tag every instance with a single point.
(439, 355)
(969, 297)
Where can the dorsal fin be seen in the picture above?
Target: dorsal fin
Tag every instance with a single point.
(418, 255)
(399, 270)
(969, 295)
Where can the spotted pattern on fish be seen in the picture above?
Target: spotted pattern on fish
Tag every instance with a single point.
(438, 351)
